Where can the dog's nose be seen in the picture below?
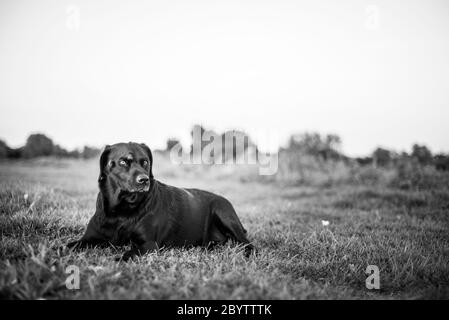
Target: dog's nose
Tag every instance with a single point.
(142, 178)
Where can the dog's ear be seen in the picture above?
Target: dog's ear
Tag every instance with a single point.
(150, 156)
(103, 162)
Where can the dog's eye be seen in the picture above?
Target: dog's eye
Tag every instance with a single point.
(123, 163)
(144, 162)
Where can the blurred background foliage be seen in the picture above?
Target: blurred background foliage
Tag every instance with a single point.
(308, 158)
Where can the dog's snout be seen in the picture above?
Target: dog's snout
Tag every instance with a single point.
(142, 178)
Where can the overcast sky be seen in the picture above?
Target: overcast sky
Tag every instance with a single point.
(95, 72)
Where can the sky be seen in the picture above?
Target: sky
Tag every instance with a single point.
(98, 72)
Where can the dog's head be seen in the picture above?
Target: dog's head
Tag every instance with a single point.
(125, 172)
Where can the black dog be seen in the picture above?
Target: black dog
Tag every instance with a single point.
(133, 207)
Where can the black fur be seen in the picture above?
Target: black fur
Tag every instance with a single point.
(154, 215)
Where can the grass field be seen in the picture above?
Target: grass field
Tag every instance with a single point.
(405, 232)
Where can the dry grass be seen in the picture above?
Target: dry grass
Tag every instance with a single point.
(404, 231)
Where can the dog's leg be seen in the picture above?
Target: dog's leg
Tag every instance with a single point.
(228, 222)
(95, 235)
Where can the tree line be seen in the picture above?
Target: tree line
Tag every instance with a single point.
(39, 145)
(322, 147)
(419, 155)
(327, 147)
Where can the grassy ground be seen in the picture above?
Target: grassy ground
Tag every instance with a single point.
(44, 205)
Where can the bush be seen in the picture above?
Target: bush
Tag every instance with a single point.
(441, 162)
(410, 175)
(296, 167)
(422, 154)
(382, 157)
(326, 147)
(38, 145)
(4, 150)
(369, 175)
